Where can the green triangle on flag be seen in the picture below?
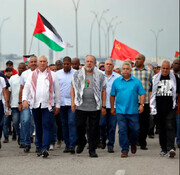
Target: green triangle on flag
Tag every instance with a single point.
(45, 32)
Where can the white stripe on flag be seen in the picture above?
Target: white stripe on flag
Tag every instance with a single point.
(53, 37)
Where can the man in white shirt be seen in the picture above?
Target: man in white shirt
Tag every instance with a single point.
(17, 116)
(43, 87)
(108, 122)
(67, 116)
(27, 116)
(3, 94)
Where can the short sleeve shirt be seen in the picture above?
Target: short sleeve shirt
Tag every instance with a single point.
(126, 93)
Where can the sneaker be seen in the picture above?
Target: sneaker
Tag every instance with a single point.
(172, 153)
(51, 148)
(163, 153)
(45, 154)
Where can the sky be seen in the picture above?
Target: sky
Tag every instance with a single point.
(137, 18)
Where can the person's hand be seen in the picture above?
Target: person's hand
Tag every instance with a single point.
(113, 111)
(73, 107)
(56, 111)
(141, 109)
(103, 111)
(25, 104)
(20, 107)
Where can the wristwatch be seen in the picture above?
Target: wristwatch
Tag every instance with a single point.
(142, 105)
(104, 107)
(19, 103)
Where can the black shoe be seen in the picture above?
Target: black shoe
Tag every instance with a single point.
(39, 154)
(14, 137)
(5, 141)
(92, 154)
(79, 149)
(22, 146)
(103, 145)
(72, 150)
(66, 150)
(27, 148)
(110, 150)
(143, 148)
(45, 154)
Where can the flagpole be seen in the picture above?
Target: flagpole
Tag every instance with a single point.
(30, 45)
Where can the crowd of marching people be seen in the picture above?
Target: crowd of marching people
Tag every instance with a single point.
(81, 104)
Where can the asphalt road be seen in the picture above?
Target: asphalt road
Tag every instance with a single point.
(13, 161)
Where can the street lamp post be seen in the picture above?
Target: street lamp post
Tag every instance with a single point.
(156, 37)
(99, 27)
(114, 29)
(91, 35)
(105, 42)
(109, 25)
(76, 21)
(5, 19)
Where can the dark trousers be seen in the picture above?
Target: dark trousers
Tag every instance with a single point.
(167, 129)
(1, 117)
(43, 120)
(59, 127)
(144, 125)
(93, 128)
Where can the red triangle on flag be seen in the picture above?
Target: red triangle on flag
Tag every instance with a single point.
(39, 26)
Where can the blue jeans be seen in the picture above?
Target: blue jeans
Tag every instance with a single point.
(17, 118)
(6, 127)
(54, 131)
(178, 129)
(107, 125)
(68, 126)
(26, 124)
(43, 120)
(128, 123)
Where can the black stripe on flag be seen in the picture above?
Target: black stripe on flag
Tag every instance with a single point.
(50, 27)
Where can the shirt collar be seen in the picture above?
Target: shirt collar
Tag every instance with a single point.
(122, 78)
(144, 68)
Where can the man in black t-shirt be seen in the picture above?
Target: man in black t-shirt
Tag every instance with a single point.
(163, 102)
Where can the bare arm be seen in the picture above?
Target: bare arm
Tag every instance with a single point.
(142, 100)
(112, 100)
(103, 110)
(20, 98)
(73, 106)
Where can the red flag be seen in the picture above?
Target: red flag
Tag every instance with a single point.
(122, 52)
(177, 54)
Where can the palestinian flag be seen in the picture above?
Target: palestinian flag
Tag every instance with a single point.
(45, 32)
(177, 55)
(26, 58)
